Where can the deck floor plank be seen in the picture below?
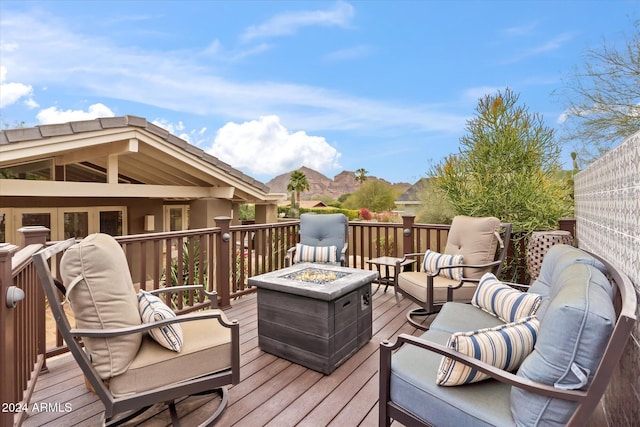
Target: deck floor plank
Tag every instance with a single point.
(272, 391)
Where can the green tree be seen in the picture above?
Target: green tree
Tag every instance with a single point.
(602, 98)
(507, 167)
(361, 175)
(435, 208)
(297, 184)
(375, 195)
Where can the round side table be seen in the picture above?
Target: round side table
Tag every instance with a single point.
(539, 244)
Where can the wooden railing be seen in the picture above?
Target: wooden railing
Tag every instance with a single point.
(22, 325)
(221, 258)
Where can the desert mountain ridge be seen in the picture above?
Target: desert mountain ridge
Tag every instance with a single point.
(320, 185)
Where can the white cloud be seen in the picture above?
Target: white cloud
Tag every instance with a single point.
(476, 93)
(521, 30)
(10, 93)
(554, 44)
(53, 115)
(179, 81)
(288, 23)
(195, 137)
(349, 53)
(265, 146)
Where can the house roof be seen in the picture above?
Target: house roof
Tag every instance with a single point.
(306, 204)
(146, 154)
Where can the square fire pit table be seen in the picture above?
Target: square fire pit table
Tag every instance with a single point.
(315, 315)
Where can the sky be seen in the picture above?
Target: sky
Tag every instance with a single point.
(270, 86)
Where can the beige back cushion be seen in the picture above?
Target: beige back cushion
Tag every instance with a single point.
(99, 288)
(477, 241)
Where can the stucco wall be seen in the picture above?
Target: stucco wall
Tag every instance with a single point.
(607, 197)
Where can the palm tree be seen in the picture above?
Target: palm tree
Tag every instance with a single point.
(298, 183)
(361, 175)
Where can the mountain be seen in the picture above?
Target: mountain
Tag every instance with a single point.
(343, 183)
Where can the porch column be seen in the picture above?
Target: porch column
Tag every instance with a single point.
(8, 373)
(266, 214)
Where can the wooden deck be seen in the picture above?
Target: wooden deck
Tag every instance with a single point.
(272, 391)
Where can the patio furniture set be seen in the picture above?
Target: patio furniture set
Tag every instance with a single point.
(317, 312)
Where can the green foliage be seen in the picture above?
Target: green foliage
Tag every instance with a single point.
(297, 184)
(507, 167)
(246, 212)
(188, 257)
(286, 211)
(343, 198)
(329, 201)
(385, 247)
(377, 196)
(602, 97)
(435, 208)
(361, 175)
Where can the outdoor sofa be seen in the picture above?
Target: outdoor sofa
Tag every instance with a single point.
(583, 313)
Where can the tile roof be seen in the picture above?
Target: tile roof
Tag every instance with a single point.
(13, 136)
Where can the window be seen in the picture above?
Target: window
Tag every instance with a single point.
(176, 217)
(64, 223)
(40, 170)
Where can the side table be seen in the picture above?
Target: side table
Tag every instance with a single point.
(384, 275)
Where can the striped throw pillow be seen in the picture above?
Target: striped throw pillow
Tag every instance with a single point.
(504, 302)
(306, 253)
(433, 260)
(504, 347)
(153, 309)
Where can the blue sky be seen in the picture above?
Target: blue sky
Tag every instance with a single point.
(269, 86)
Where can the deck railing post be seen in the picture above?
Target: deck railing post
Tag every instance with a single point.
(38, 235)
(8, 369)
(568, 224)
(223, 261)
(407, 233)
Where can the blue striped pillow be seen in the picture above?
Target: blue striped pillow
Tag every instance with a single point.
(502, 301)
(153, 309)
(307, 253)
(505, 347)
(433, 260)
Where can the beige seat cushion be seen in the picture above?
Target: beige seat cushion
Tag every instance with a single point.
(475, 239)
(415, 284)
(101, 293)
(206, 349)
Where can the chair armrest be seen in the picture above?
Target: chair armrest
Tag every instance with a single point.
(415, 255)
(116, 332)
(212, 295)
(288, 258)
(495, 373)
(343, 254)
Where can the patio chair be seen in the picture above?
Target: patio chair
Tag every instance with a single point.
(474, 247)
(323, 239)
(128, 368)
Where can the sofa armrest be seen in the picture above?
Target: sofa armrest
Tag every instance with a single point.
(498, 374)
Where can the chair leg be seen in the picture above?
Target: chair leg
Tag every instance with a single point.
(418, 312)
(224, 400)
(118, 419)
(175, 421)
